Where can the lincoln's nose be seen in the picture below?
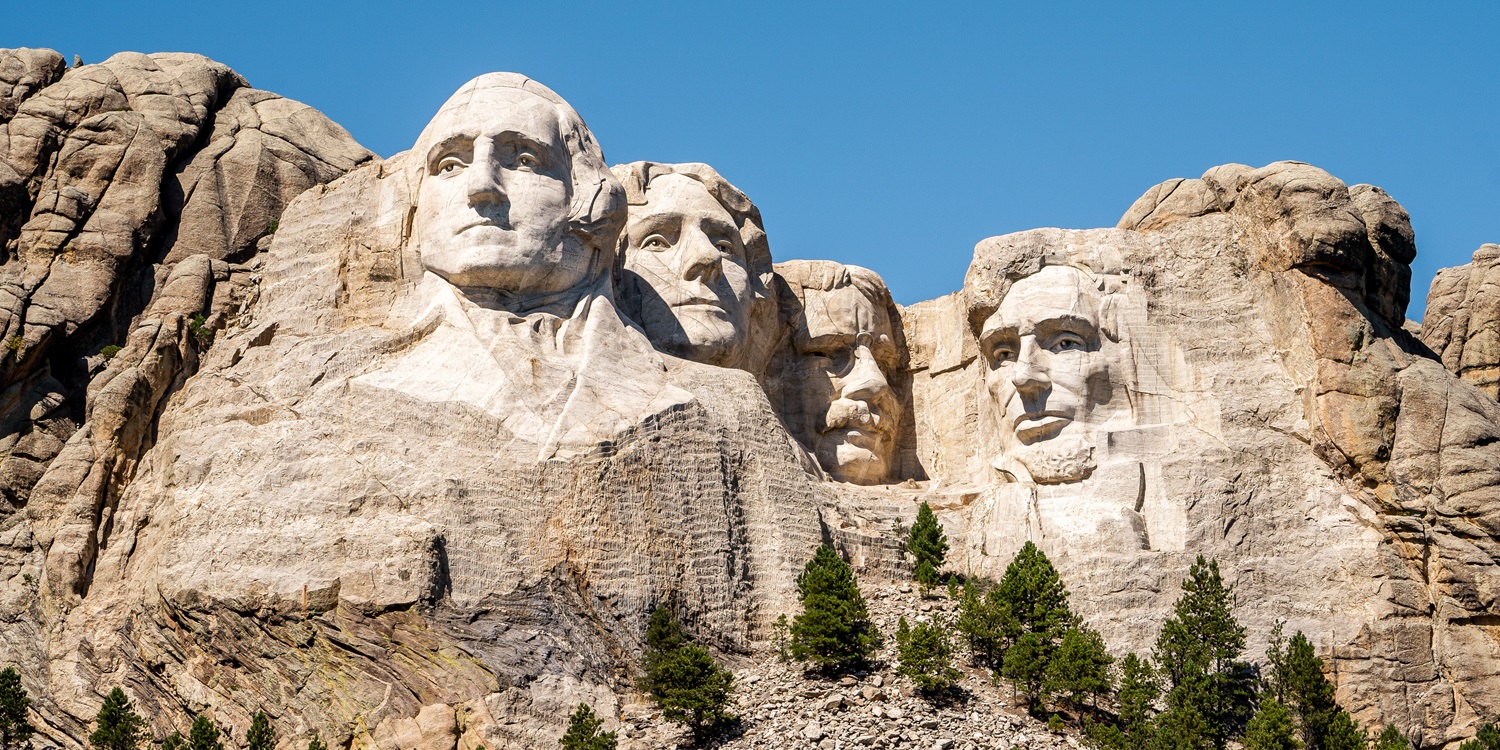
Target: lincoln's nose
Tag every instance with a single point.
(1030, 374)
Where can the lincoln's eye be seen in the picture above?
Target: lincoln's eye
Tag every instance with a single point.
(656, 242)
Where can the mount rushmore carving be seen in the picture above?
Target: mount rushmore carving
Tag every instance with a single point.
(437, 444)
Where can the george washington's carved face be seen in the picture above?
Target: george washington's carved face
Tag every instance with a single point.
(685, 266)
(1046, 373)
(492, 209)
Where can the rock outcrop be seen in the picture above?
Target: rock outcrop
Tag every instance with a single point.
(383, 451)
(1462, 323)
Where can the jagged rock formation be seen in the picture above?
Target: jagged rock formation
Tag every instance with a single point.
(1462, 323)
(403, 473)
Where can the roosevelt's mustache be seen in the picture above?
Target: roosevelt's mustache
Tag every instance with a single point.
(845, 413)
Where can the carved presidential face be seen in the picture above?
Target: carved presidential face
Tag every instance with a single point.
(685, 269)
(842, 359)
(1046, 374)
(492, 209)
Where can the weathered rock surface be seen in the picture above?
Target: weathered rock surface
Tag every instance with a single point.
(111, 174)
(1462, 323)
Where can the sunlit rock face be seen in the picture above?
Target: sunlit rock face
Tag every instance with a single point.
(836, 377)
(1462, 321)
(695, 266)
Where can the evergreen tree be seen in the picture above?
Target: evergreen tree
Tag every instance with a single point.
(1181, 727)
(983, 622)
(204, 735)
(260, 736)
(119, 726)
(1392, 739)
(1033, 594)
(683, 678)
(927, 544)
(1488, 738)
(1025, 664)
(1271, 728)
(1297, 675)
(925, 655)
(15, 730)
(834, 630)
(584, 731)
(1139, 691)
(1198, 651)
(316, 743)
(174, 741)
(1079, 667)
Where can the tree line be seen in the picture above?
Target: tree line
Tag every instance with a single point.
(1193, 691)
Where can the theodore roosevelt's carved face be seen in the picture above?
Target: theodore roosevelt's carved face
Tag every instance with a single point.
(492, 209)
(1046, 373)
(842, 358)
(685, 266)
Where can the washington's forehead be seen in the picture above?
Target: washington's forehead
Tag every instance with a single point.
(492, 110)
(675, 193)
(1053, 292)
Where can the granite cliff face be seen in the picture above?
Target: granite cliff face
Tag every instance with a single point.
(406, 450)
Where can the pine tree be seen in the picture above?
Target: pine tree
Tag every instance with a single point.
(1034, 596)
(204, 735)
(1271, 728)
(928, 545)
(925, 655)
(982, 621)
(119, 726)
(683, 678)
(15, 730)
(1079, 667)
(316, 743)
(1297, 675)
(1341, 733)
(1025, 664)
(1488, 738)
(1181, 727)
(1392, 739)
(174, 741)
(834, 630)
(260, 736)
(584, 731)
(1198, 651)
(1137, 697)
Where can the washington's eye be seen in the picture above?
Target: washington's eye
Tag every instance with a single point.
(448, 165)
(656, 242)
(528, 160)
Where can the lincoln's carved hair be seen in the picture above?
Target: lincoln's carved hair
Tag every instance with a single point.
(597, 212)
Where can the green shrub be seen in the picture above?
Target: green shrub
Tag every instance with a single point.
(683, 678)
(260, 736)
(925, 655)
(15, 730)
(584, 731)
(1488, 738)
(1079, 667)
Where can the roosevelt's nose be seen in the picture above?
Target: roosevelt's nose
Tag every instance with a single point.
(865, 381)
(1030, 373)
(699, 258)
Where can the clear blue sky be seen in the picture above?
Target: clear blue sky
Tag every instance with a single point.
(895, 136)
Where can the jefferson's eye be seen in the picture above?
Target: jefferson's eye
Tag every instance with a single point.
(656, 242)
(1068, 343)
(527, 160)
(448, 165)
(1003, 353)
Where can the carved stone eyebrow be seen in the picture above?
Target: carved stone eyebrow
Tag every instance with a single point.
(448, 145)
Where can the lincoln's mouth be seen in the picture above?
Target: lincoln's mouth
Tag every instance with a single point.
(701, 305)
(1031, 428)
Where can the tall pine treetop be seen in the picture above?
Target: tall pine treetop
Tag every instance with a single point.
(1202, 633)
(1034, 594)
(15, 730)
(119, 726)
(927, 545)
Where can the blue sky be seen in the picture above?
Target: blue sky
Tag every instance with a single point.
(896, 136)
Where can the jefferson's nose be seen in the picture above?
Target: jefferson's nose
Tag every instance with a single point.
(700, 258)
(865, 380)
(1030, 374)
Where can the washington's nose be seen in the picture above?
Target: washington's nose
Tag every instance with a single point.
(483, 179)
(865, 380)
(1030, 374)
(700, 258)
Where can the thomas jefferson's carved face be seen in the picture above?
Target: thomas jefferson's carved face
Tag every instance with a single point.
(839, 372)
(1046, 373)
(685, 266)
(492, 210)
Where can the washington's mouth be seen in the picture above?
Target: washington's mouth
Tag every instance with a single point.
(1033, 427)
(701, 306)
(482, 223)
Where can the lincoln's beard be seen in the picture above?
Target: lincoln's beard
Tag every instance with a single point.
(1065, 458)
